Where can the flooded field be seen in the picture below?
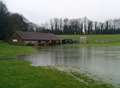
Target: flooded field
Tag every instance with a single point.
(103, 62)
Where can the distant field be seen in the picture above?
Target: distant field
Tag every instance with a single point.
(96, 39)
(74, 37)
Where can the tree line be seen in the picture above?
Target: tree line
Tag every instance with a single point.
(12, 22)
(80, 26)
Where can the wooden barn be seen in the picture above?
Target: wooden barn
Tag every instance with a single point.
(35, 38)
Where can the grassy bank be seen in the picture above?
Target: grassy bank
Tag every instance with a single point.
(18, 74)
(7, 50)
(96, 40)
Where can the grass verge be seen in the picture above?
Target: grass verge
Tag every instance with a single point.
(19, 74)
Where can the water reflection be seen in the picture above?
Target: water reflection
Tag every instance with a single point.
(102, 61)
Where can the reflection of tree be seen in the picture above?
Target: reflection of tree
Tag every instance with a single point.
(70, 57)
(75, 57)
(58, 55)
(65, 57)
(85, 57)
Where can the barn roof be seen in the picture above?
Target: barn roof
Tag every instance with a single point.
(37, 36)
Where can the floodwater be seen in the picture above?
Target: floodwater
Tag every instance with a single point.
(103, 62)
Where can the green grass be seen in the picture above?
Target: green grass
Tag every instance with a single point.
(7, 50)
(74, 37)
(19, 74)
(104, 39)
(96, 40)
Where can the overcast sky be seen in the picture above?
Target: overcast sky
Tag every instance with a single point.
(40, 11)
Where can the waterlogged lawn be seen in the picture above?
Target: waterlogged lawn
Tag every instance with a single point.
(91, 83)
(19, 74)
(7, 50)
